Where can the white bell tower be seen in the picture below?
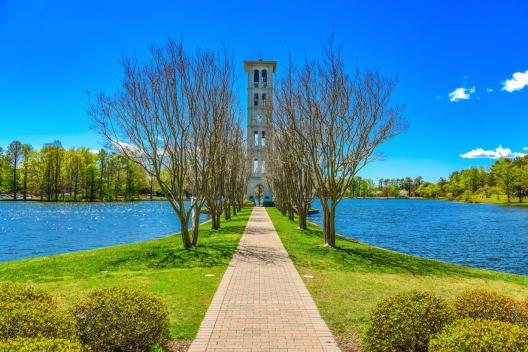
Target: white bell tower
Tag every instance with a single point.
(260, 97)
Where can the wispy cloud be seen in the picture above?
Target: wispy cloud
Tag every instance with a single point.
(461, 94)
(498, 153)
(489, 90)
(518, 82)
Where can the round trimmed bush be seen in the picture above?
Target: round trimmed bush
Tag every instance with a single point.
(41, 345)
(405, 322)
(480, 335)
(18, 293)
(35, 319)
(481, 304)
(121, 319)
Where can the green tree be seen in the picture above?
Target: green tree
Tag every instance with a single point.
(505, 175)
(26, 154)
(394, 190)
(14, 157)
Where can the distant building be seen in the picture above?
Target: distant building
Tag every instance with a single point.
(260, 97)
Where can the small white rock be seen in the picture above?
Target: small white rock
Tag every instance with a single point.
(209, 275)
(308, 276)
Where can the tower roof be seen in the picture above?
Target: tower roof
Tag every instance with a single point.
(249, 63)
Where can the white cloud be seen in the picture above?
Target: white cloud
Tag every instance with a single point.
(518, 82)
(500, 152)
(489, 90)
(461, 94)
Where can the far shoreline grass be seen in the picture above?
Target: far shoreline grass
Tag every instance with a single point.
(476, 199)
(349, 279)
(161, 266)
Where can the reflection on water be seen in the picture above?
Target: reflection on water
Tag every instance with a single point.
(32, 229)
(480, 235)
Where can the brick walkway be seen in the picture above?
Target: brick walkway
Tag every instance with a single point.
(262, 303)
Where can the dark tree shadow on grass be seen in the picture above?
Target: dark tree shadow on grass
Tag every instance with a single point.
(213, 250)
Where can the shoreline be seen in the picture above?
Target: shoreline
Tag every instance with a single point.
(475, 201)
(314, 224)
(158, 199)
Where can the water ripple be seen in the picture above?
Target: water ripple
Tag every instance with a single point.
(480, 235)
(29, 229)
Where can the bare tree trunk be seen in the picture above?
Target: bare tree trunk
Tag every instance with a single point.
(291, 213)
(196, 226)
(151, 187)
(303, 214)
(329, 230)
(227, 212)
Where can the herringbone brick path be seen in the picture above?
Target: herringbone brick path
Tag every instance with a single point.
(262, 303)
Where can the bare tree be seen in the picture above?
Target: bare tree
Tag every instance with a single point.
(287, 153)
(237, 176)
(337, 121)
(164, 118)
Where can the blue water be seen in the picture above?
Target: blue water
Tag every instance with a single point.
(33, 229)
(479, 235)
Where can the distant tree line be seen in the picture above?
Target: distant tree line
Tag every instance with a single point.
(385, 187)
(54, 173)
(506, 177)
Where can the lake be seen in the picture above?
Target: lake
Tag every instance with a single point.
(33, 229)
(479, 235)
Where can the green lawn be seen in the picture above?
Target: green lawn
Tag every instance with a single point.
(502, 200)
(349, 279)
(160, 266)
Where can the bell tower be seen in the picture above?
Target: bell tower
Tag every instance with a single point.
(259, 104)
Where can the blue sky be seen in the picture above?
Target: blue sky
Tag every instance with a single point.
(53, 52)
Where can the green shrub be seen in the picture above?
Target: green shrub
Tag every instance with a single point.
(482, 336)
(248, 203)
(121, 319)
(17, 293)
(35, 319)
(41, 345)
(405, 322)
(481, 304)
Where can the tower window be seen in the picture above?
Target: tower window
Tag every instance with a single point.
(255, 99)
(255, 166)
(256, 78)
(255, 138)
(264, 77)
(263, 140)
(264, 99)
